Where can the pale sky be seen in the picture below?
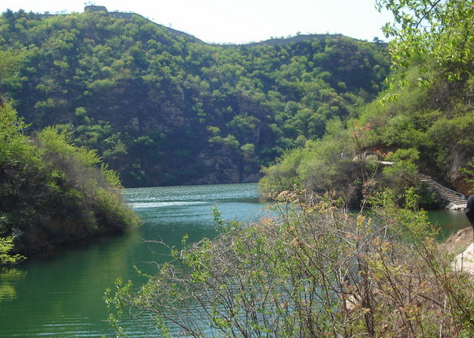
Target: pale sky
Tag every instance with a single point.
(237, 21)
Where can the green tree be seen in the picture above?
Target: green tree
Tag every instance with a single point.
(52, 192)
(403, 173)
(438, 30)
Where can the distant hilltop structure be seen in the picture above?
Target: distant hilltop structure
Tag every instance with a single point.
(128, 16)
(103, 9)
(94, 8)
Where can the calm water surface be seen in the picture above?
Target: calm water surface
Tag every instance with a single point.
(61, 295)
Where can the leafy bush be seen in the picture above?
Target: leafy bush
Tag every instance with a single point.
(403, 174)
(52, 192)
(6, 246)
(330, 165)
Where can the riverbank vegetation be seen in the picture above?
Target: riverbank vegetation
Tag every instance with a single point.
(423, 121)
(315, 270)
(52, 192)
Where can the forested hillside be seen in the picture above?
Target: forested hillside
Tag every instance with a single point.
(423, 122)
(163, 108)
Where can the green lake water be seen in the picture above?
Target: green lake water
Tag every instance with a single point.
(61, 294)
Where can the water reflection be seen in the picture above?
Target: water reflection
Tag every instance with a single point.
(448, 222)
(8, 277)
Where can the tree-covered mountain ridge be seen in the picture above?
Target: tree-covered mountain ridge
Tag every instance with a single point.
(164, 108)
(272, 41)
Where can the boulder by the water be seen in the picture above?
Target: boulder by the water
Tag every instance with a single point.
(464, 262)
(456, 206)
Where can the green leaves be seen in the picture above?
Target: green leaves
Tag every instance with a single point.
(438, 30)
(47, 183)
(13, 143)
(6, 245)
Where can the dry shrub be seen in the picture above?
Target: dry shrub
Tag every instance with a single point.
(315, 270)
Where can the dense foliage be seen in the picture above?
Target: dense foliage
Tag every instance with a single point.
(52, 192)
(441, 30)
(162, 107)
(423, 121)
(313, 271)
